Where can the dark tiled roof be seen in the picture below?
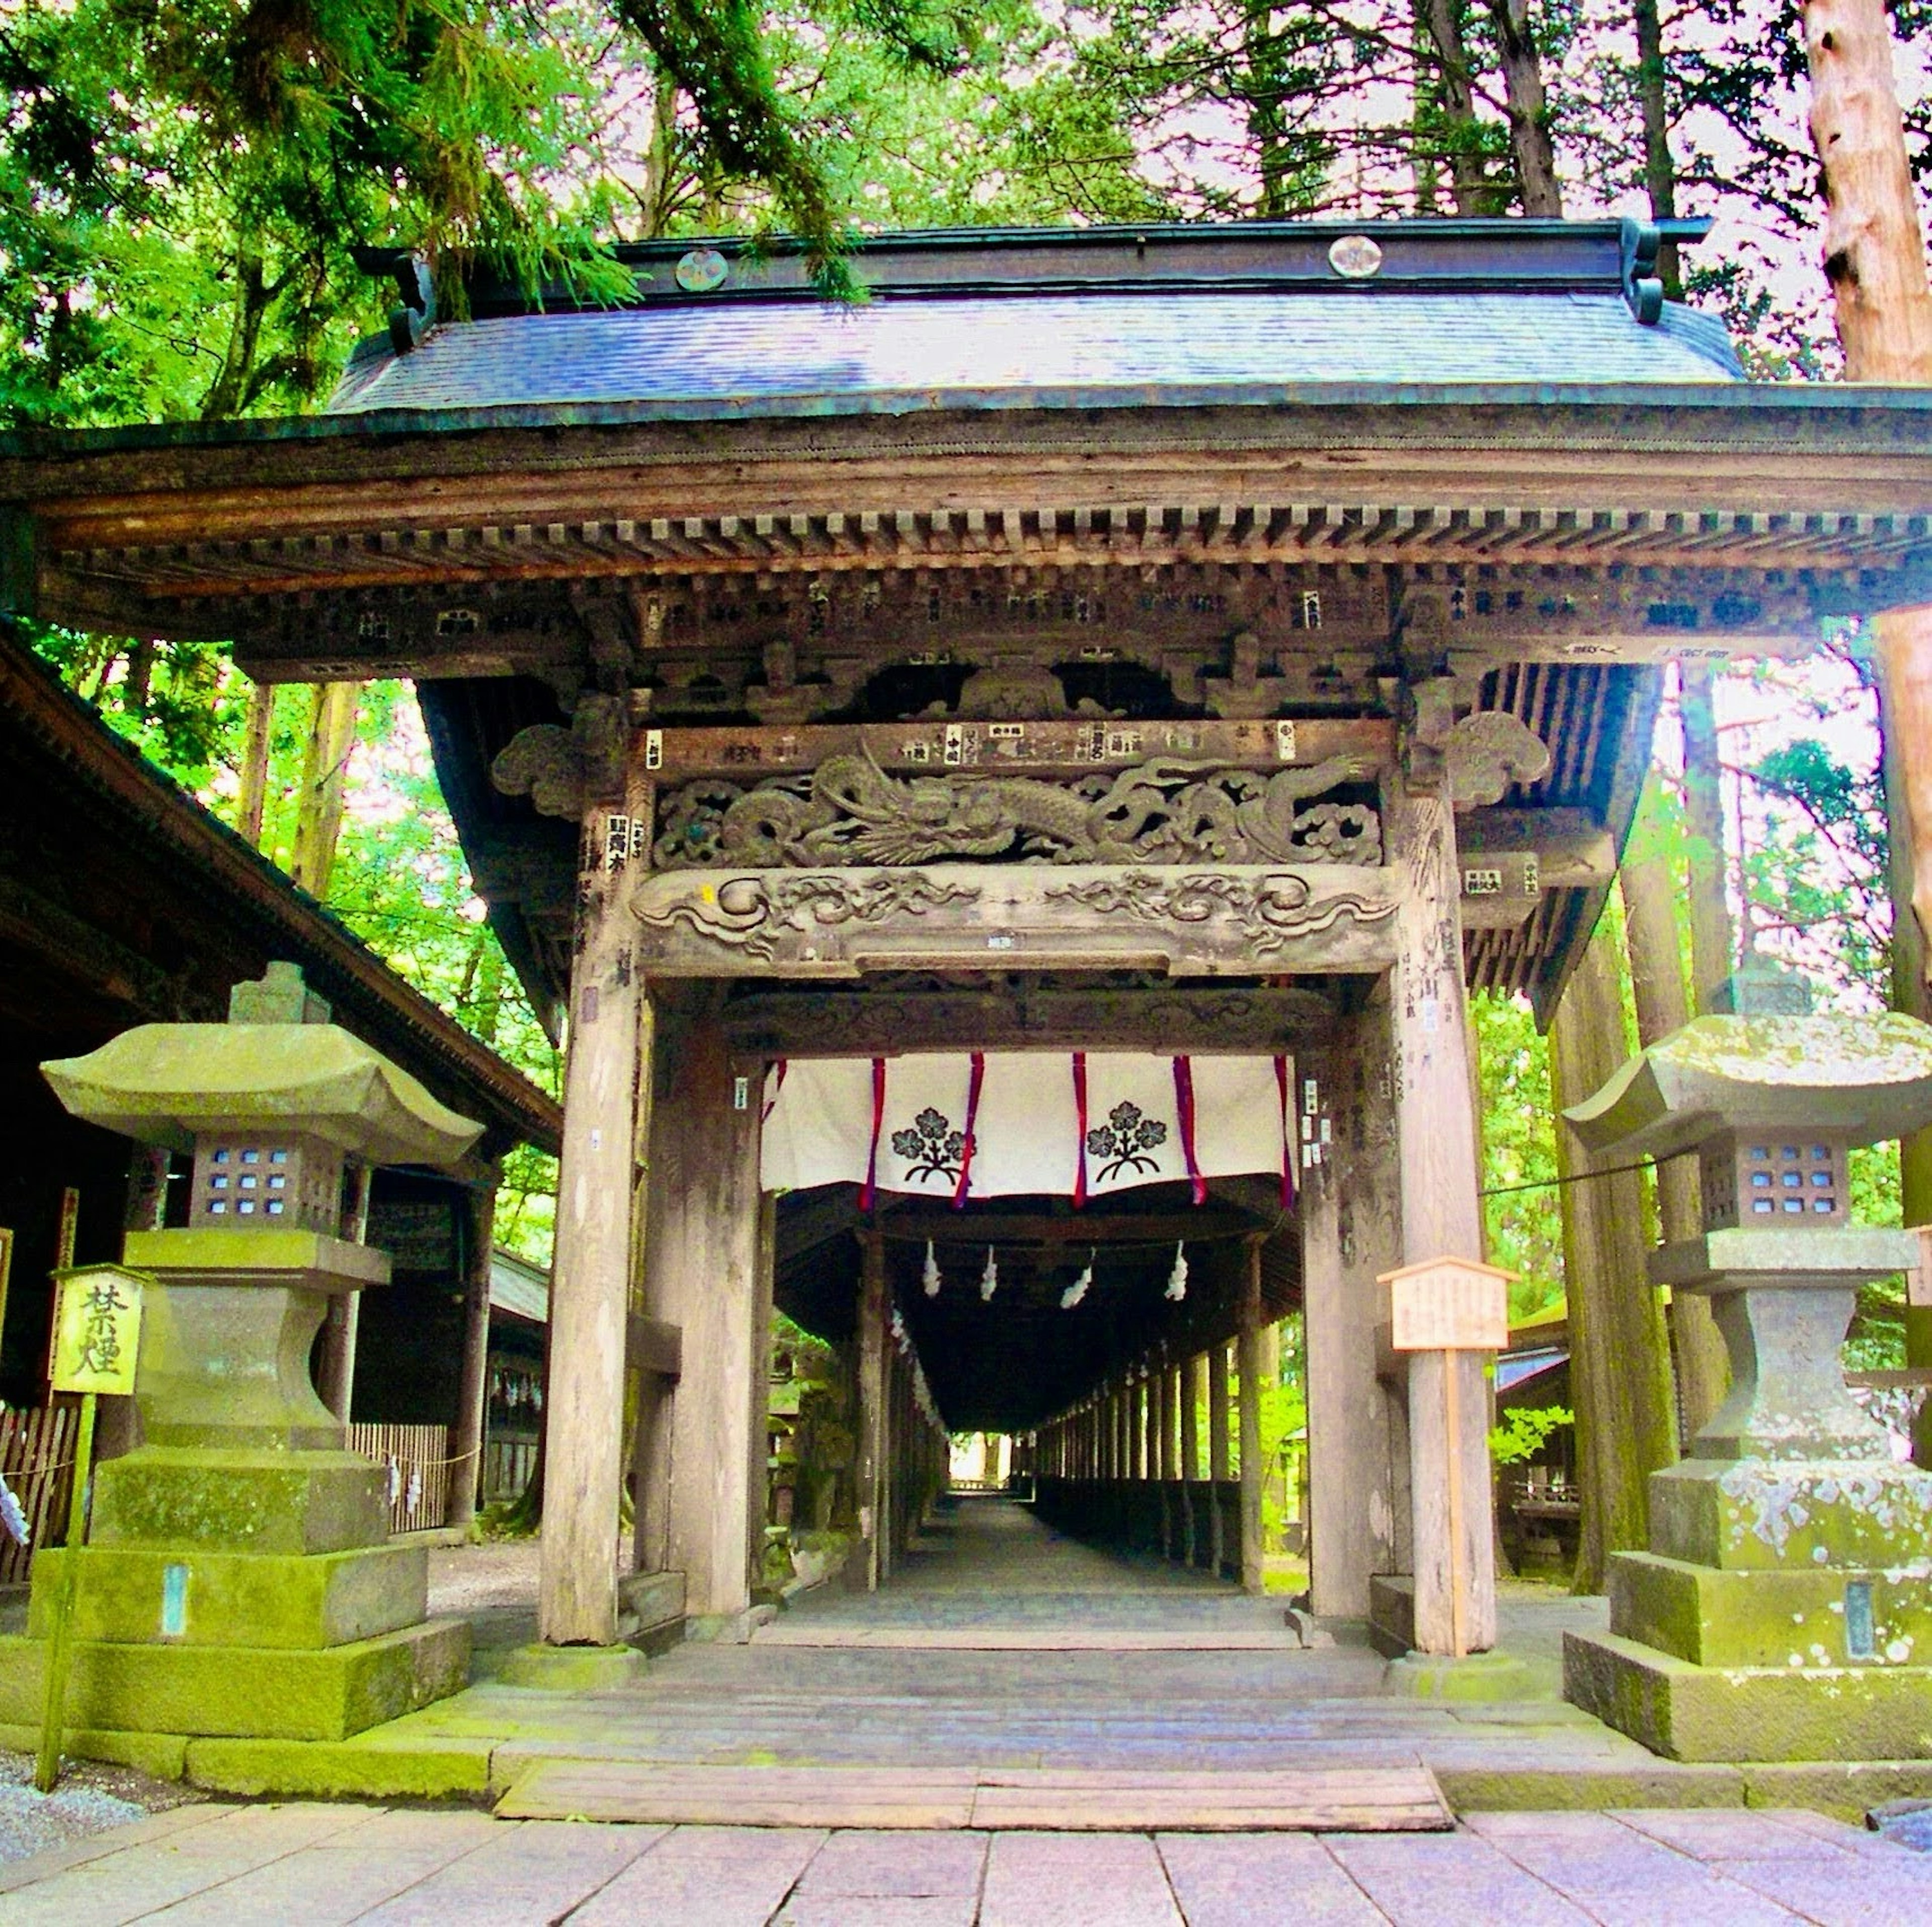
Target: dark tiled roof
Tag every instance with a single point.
(1040, 350)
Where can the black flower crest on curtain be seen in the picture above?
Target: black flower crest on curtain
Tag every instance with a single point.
(1124, 1140)
(931, 1148)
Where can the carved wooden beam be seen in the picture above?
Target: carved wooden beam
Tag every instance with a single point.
(1240, 920)
(1037, 748)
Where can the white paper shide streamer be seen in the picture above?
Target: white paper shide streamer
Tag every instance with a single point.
(929, 1277)
(989, 1278)
(1079, 1288)
(1176, 1279)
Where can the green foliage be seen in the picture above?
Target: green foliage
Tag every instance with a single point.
(1521, 1209)
(1521, 1435)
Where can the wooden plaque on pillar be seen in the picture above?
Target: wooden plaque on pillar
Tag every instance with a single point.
(1448, 1304)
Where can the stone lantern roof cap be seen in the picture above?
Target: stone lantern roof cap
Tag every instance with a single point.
(1861, 1078)
(166, 1083)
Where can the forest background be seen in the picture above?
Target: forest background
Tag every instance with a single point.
(184, 184)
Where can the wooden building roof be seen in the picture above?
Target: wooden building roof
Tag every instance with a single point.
(122, 901)
(1257, 470)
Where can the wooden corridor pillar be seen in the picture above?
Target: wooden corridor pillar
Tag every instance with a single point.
(1441, 1217)
(1217, 1456)
(583, 1428)
(1190, 1453)
(873, 1297)
(1248, 1352)
(708, 1269)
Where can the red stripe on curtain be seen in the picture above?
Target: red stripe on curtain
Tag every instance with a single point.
(782, 1064)
(1080, 1116)
(1184, 1104)
(869, 1192)
(973, 1084)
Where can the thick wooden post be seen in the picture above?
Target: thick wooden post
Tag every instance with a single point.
(872, 1313)
(1351, 1233)
(584, 1416)
(1217, 1456)
(1441, 1217)
(465, 1436)
(706, 1271)
(1248, 1350)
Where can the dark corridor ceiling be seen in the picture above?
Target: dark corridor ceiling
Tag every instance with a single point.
(1008, 1364)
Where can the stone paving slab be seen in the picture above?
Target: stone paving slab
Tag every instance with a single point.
(306, 1866)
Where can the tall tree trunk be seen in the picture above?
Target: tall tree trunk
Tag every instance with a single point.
(331, 737)
(1659, 170)
(1474, 194)
(1711, 954)
(1425, 98)
(1529, 108)
(255, 748)
(1619, 1351)
(1875, 261)
(1651, 887)
(1874, 248)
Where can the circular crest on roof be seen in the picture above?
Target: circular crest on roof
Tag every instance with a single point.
(1355, 257)
(701, 270)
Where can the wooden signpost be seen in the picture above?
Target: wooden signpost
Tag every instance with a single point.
(97, 1343)
(1448, 1305)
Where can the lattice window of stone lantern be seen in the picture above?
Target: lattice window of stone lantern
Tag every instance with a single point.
(1759, 1177)
(272, 1180)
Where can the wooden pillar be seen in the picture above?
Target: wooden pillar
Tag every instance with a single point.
(1351, 1233)
(465, 1436)
(872, 1314)
(1190, 1455)
(1217, 1456)
(707, 1257)
(584, 1411)
(1248, 1352)
(1441, 1217)
(1161, 1427)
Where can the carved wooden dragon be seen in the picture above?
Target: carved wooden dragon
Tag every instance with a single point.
(1165, 810)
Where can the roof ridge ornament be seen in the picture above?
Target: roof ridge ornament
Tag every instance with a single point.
(1643, 289)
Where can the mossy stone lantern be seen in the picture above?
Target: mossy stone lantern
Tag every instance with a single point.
(238, 1579)
(1783, 1611)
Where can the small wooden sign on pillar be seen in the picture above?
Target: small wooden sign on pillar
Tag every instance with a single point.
(1445, 1306)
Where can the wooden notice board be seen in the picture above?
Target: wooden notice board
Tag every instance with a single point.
(1448, 1304)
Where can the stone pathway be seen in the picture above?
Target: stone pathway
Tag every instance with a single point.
(315, 1865)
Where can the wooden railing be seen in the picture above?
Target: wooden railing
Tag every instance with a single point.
(416, 1458)
(36, 1459)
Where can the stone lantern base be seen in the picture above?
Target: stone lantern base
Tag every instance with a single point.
(238, 1581)
(1784, 1612)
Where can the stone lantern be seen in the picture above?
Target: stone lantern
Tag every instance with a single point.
(238, 1579)
(1780, 1611)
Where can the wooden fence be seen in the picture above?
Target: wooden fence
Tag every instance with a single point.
(508, 1466)
(36, 1459)
(417, 1460)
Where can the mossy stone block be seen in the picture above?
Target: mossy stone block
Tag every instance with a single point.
(294, 1502)
(1686, 1712)
(282, 1600)
(1847, 1789)
(337, 1770)
(571, 1669)
(161, 1756)
(1664, 1783)
(1757, 1513)
(1791, 1617)
(244, 1692)
(1477, 1678)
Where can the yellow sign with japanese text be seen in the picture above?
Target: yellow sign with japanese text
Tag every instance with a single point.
(98, 1330)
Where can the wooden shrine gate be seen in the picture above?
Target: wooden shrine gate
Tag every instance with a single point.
(758, 893)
